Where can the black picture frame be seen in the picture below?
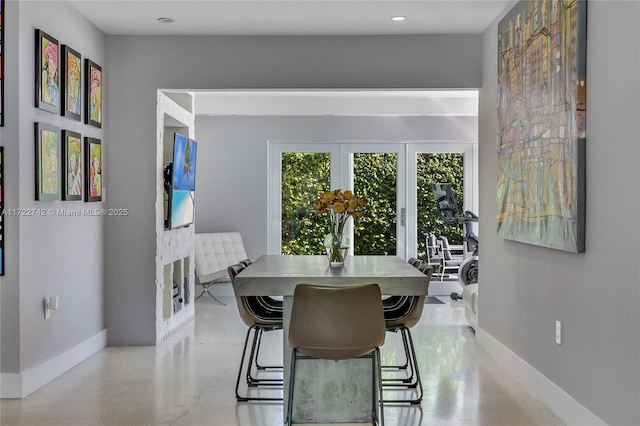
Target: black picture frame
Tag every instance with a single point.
(47, 86)
(71, 71)
(92, 94)
(72, 166)
(92, 169)
(47, 166)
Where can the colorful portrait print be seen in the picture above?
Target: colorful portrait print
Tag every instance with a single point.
(95, 181)
(48, 161)
(73, 83)
(93, 169)
(49, 86)
(72, 182)
(93, 94)
(74, 169)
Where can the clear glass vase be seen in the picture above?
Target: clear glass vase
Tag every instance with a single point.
(336, 245)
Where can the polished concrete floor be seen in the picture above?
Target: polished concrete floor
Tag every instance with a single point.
(189, 380)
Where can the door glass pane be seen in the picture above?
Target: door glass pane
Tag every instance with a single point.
(374, 180)
(437, 168)
(304, 176)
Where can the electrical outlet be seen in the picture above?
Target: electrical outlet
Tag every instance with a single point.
(558, 332)
(53, 302)
(50, 304)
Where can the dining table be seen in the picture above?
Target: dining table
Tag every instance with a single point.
(328, 391)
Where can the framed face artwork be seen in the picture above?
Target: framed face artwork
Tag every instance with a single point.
(93, 94)
(71, 82)
(47, 162)
(72, 165)
(92, 169)
(47, 73)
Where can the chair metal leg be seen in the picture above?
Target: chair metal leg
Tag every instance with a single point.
(380, 397)
(257, 363)
(244, 351)
(414, 367)
(253, 356)
(406, 358)
(206, 290)
(292, 373)
(408, 380)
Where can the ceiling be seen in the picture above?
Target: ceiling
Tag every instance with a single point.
(293, 17)
(299, 18)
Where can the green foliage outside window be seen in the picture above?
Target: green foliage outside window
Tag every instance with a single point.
(437, 168)
(375, 178)
(306, 175)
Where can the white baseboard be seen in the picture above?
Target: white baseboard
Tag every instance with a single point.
(567, 409)
(20, 385)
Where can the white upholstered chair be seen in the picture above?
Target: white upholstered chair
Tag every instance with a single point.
(433, 253)
(448, 261)
(214, 253)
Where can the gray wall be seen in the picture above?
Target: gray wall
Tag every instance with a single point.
(525, 288)
(233, 160)
(138, 66)
(51, 254)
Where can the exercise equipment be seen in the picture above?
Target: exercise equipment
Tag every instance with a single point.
(446, 202)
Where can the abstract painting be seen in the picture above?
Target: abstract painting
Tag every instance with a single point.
(93, 94)
(541, 124)
(47, 73)
(47, 162)
(71, 82)
(72, 165)
(183, 181)
(93, 169)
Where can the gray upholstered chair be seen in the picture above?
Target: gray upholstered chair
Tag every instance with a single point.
(260, 316)
(401, 319)
(337, 323)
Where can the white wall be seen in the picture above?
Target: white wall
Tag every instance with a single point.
(138, 66)
(51, 254)
(233, 160)
(526, 288)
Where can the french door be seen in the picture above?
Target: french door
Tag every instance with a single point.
(383, 173)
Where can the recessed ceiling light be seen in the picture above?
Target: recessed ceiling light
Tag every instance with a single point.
(166, 20)
(398, 18)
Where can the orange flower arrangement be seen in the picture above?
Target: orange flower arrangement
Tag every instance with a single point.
(341, 205)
